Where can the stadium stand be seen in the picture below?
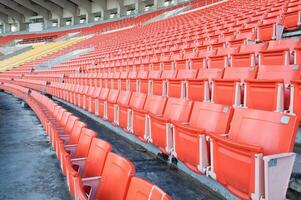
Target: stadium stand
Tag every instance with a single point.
(216, 88)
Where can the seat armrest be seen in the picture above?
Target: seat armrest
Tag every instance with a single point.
(277, 172)
(80, 162)
(65, 138)
(93, 183)
(71, 148)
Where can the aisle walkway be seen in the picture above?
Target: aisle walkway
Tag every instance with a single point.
(29, 169)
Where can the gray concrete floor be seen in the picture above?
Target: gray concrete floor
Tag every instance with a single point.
(28, 167)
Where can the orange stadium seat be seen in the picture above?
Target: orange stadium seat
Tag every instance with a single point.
(272, 83)
(160, 125)
(205, 118)
(90, 166)
(123, 171)
(237, 156)
(144, 190)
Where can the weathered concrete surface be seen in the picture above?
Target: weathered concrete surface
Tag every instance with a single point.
(28, 167)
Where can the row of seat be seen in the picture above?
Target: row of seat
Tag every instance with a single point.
(86, 160)
(164, 33)
(231, 86)
(216, 134)
(285, 51)
(279, 52)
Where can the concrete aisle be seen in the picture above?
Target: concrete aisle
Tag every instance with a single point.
(28, 167)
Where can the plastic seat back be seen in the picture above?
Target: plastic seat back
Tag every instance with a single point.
(144, 83)
(96, 158)
(84, 142)
(286, 73)
(251, 132)
(227, 91)
(213, 118)
(124, 97)
(254, 127)
(159, 85)
(76, 131)
(240, 73)
(117, 174)
(198, 63)
(104, 94)
(113, 96)
(144, 190)
(137, 100)
(210, 73)
(64, 119)
(70, 123)
(175, 87)
(278, 52)
(177, 109)
(155, 104)
(247, 56)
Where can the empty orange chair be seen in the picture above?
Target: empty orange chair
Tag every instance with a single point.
(110, 104)
(254, 159)
(120, 114)
(82, 96)
(181, 64)
(146, 83)
(159, 86)
(115, 81)
(271, 29)
(199, 89)
(142, 75)
(100, 105)
(69, 139)
(90, 166)
(247, 55)
(177, 87)
(77, 95)
(242, 39)
(137, 101)
(161, 135)
(144, 190)
(229, 90)
(123, 81)
(205, 117)
(272, 84)
(140, 126)
(221, 59)
(66, 129)
(117, 174)
(198, 63)
(279, 52)
(131, 82)
(79, 150)
(95, 95)
(88, 97)
(60, 125)
(292, 16)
